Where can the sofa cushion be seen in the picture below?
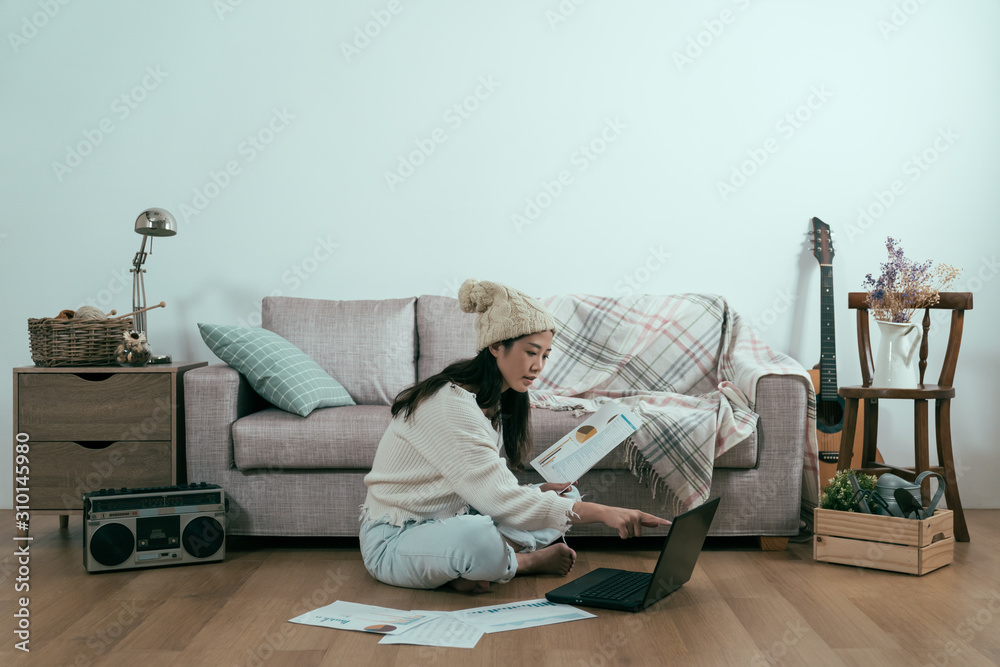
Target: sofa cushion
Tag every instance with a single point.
(444, 334)
(347, 437)
(369, 346)
(276, 369)
(344, 437)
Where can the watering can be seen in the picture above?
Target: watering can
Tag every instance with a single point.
(888, 485)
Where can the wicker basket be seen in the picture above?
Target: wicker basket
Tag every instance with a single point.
(76, 342)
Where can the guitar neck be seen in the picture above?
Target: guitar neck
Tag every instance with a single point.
(828, 336)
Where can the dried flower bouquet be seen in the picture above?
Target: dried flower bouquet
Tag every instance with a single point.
(905, 286)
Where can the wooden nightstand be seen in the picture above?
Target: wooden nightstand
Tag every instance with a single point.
(99, 427)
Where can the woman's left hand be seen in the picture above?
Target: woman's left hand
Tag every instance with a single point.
(558, 487)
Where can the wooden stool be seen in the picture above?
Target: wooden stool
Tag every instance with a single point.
(941, 393)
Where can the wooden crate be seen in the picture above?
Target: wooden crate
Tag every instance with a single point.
(884, 542)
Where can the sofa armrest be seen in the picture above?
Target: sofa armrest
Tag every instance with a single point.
(214, 397)
(782, 437)
(782, 406)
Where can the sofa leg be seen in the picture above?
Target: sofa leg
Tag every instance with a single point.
(773, 543)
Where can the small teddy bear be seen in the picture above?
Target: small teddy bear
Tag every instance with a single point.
(133, 350)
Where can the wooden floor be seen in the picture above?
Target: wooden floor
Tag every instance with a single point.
(742, 607)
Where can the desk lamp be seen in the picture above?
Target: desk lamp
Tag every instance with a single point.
(151, 222)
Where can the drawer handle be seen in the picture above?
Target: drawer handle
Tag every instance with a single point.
(93, 377)
(95, 444)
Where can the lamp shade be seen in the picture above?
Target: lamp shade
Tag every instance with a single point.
(155, 222)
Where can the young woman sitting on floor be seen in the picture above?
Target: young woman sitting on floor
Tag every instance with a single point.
(442, 505)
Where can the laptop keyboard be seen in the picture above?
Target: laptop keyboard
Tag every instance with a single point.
(619, 587)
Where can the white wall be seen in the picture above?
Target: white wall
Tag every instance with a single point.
(888, 81)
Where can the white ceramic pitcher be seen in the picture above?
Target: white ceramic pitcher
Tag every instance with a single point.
(895, 363)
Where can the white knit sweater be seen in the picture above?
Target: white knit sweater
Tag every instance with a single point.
(446, 458)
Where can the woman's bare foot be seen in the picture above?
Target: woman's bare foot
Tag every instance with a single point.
(555, 559)
(467, 586)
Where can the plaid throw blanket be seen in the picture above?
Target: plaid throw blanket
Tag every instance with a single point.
(685, 364)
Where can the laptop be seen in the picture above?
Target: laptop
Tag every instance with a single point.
(633, 591)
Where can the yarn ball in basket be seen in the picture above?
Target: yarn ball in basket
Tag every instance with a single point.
(89, 313)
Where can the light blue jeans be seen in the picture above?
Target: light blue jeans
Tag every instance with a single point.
(432, 553)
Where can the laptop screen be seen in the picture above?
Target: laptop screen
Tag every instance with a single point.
(684, 543)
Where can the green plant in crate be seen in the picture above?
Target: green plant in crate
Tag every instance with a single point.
(839, 493)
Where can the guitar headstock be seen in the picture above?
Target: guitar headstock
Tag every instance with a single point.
(822, 242)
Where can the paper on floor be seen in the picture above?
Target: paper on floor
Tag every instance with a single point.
(455, 629)
(519, 615)
(442, 630)
(362, 617)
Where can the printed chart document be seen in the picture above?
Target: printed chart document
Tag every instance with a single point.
(520, 615)
(455, 629)
(363, 617)
(442, 630)
(580, 449)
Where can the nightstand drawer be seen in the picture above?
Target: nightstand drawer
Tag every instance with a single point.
(95, 406)
(61, 472)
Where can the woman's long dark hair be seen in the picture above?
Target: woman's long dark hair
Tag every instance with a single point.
(510, 409)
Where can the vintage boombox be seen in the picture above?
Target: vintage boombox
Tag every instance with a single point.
(174, 525)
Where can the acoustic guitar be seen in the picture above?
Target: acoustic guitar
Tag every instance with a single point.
(829, 405)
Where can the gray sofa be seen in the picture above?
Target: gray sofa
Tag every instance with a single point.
(303, 476)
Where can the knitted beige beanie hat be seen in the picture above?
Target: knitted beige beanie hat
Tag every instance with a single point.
(503, 311)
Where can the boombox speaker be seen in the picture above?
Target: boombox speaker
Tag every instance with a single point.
(131, 528)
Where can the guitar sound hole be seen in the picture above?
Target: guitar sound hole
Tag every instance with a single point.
(830, 415)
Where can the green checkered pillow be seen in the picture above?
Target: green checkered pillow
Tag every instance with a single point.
(277, 370)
